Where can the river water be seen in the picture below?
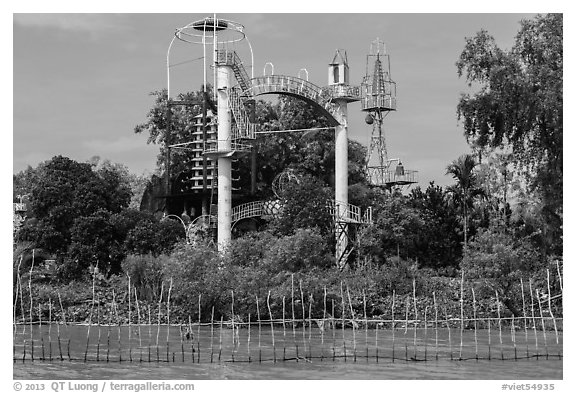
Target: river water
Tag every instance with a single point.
(284, 353)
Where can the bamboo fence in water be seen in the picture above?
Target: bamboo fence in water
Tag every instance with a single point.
(413, 330)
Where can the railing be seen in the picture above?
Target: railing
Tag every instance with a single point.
(20, 207)
(232, 59)
(341, 212)
(349, 213)
(381, 176)
(247, 210)
(351, 93)
(212, 148)
(288, 84)
(242, 129)
(383, 102)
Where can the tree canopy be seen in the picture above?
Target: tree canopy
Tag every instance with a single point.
(517, 104)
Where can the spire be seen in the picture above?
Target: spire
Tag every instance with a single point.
(378, 77)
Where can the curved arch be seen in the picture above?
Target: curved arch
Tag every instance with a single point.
(319, 98)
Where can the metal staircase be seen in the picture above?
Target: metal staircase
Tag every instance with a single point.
(242, 128)
(237, 99)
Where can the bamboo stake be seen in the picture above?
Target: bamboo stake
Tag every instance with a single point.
(533, 319)
(159, 314)
(499, 326)
(525, 318)
(22, 305)
(303, 316)
(50, 328)
(425, 332)
(115, 310)
(91, 309)
(233, 327)
(352, 317)
(129, 319)
(365, 323)
(149, 330)
(333, 332)
(559, 276)
(489, 338)
(31, 307)
(139, 322)
(191, 336)
(293, 312)
(168, 314)
(406, 329)
(376, 341)
(108, 340)
(16, 301)
(249, 326)
(99, 329)
(435, 322)
(63, 316)
(259, 329)
(550, 304)
(393, 325)
(343, 320)
(461, 314)
(416, 322)
(284, 327)
(271, 326)
(542, 322)
(324, 324)
(212, 335)
(310, 327)
(449, 333)
(59, 345)
(475, 323)
(220, 348)
(40, 331)
(199, 323)
(513, 336)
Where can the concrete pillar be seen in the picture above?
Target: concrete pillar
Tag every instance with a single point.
(341, 179)
(224, 81)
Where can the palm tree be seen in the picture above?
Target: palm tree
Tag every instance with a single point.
(466, 188)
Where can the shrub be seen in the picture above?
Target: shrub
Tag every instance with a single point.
(146, 274)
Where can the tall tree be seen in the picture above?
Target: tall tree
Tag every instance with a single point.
(466, 190)
(66, 190)
(518, 103)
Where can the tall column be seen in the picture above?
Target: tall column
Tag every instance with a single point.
(224, 77)
(341, 180)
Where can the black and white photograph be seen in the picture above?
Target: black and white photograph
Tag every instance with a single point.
(270, 196)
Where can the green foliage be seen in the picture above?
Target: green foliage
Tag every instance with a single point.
(305, 206)
(153, 237)
(194, 271)
(182, 120)
(398, 230)
(466, 190)
(439, 245)
(66, 190)
(146, 274)
(93, 242)
(498, 261)
(518, 105)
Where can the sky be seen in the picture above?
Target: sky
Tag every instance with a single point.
(81, 82)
